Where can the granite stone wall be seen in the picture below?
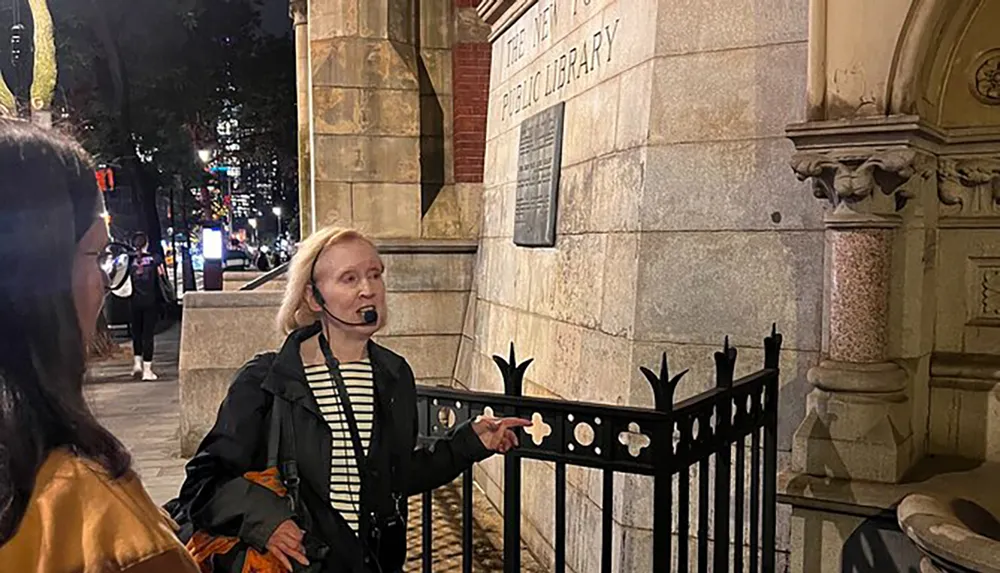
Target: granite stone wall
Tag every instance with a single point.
(679, 222)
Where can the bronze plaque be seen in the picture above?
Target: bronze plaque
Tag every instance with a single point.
(539, 156)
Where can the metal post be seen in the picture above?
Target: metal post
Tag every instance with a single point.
(173, 235)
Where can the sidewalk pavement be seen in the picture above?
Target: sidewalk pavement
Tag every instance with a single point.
(145, 416)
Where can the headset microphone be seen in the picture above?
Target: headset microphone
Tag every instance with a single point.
(369, 316)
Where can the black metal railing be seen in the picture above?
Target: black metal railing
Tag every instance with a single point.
(266, 277)
(666, 443)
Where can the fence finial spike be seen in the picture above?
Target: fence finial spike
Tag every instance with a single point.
(663, 385)
(512, 372)
(772, 347)
(725, 365)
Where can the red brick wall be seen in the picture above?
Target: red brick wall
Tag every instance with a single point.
(471, 88)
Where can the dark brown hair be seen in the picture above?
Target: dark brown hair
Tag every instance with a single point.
(48, 201)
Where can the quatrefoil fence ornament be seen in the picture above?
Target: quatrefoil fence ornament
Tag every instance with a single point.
(539, 430)
(487, 413)
(512, 372)
(634, 439)
(663, 385)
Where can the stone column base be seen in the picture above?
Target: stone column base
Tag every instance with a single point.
(853, 434)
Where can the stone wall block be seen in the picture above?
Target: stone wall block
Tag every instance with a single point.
(428, 272)
(367, 159)
(333, 204)
(706, 25)
(621, 271)
(634, 111)
(436, 24)
(354, 111)
(387, 210)
(618, 184)
(334, 18)
(414, 313)
(430, 356)
(576, 198)
(579, 279)
(751, 186)
(718, 95)
(364, 63)
(590, 122)
(756, 279)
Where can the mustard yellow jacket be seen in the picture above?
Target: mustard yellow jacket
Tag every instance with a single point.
(80, 520)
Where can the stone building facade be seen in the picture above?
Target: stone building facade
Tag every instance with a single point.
(829, 165)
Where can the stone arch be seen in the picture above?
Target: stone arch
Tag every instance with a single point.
(942, 46)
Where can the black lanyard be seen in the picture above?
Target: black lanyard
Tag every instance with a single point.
(345, 402)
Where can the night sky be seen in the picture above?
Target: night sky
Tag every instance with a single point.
(275, 16)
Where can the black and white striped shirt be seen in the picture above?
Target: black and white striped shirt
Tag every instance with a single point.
(345, 483)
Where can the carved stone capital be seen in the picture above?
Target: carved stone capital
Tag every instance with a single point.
(969, 185)
(846, 178)
(299, 11)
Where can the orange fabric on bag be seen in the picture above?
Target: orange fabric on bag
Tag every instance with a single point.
(203, 546)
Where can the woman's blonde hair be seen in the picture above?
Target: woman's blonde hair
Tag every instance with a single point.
(295, 312)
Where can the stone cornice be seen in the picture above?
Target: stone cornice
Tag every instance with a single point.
(897, 130)
(501, 14)
(906, 130)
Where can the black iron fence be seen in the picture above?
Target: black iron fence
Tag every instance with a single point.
(704, 432)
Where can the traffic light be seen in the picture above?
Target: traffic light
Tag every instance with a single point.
(105, 179)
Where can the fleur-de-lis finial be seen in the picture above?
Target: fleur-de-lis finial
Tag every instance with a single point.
(772, 347)
(663, 385)
(512, 372)
(725, 365)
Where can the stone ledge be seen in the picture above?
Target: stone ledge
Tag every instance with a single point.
(937, 475)
(233, 299)
(977, 372)
(426, 246)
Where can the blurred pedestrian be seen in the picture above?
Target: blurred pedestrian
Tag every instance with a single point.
(237, 258)
(69, 500)
(145, 302)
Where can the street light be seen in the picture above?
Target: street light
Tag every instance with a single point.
(205, 155)
(277, 213)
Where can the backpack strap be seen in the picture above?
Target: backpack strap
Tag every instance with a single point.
(281, 448)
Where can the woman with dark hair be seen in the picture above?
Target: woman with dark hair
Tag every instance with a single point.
(69, 501)
(145, 305)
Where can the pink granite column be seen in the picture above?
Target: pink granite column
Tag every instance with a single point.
(860, 264)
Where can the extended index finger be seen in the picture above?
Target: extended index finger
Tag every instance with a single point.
(514, 423)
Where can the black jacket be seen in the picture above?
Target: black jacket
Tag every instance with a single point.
(217, 498)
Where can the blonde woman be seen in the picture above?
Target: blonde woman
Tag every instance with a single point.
(356, 458)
